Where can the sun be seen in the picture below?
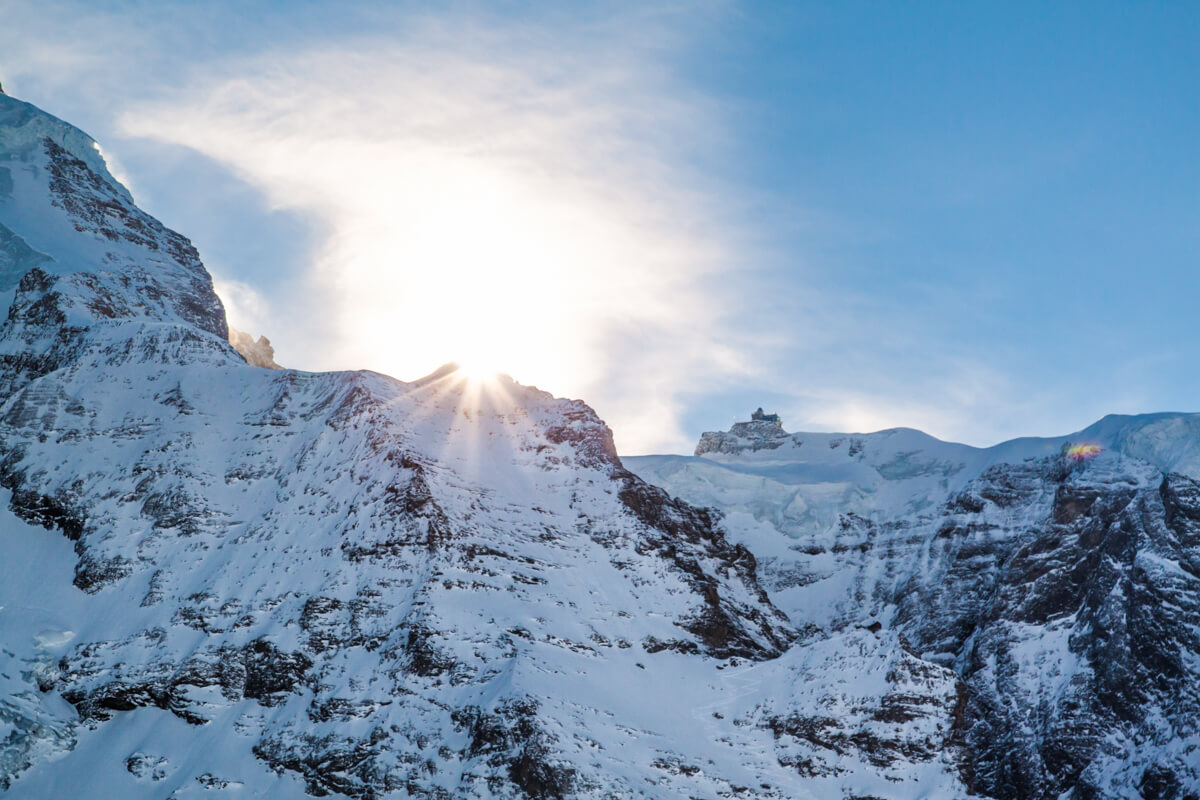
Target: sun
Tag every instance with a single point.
(477, 370)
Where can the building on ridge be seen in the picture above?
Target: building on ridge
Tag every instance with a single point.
(759, 416)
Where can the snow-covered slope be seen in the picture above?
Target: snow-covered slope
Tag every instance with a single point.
(1058, 578)
(221, 580)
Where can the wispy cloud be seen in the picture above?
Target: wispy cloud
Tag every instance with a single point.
(526, 191)
(485, 194)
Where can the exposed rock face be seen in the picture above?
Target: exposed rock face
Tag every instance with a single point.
(1055, 598)
(754, 435)
(1083, 639)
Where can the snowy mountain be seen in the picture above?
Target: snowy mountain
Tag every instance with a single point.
(223, 580)
(1057, 579)
(220, 580)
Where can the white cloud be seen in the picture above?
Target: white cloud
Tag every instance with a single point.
(245, 307)
(522, 188)
(497, 197)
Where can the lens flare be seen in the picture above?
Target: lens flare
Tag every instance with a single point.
(1079, 452)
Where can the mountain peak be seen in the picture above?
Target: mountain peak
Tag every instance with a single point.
(762, 432)
(71, 237)
(24, 128)
(446, 588)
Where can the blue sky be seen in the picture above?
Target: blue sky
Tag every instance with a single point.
(976, 219)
